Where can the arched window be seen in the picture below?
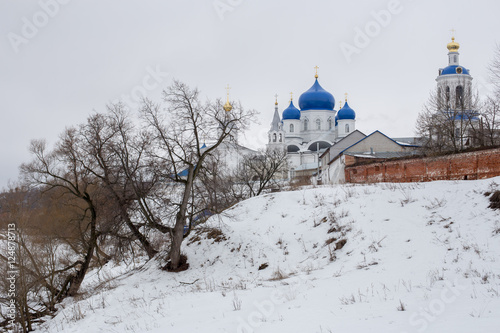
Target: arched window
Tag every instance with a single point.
(292, 128)
(306, 124)
(330, 124)
(274, 137)
(318, 124)
(347, 128)
(459, 98)
(455, 59)
(281, 138)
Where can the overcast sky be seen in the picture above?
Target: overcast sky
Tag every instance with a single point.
(62, 59)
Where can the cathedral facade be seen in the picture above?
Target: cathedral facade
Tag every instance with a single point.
(309, 129)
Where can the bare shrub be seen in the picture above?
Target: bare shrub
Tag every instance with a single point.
(495, 200)
(278, 274)
(347, 300)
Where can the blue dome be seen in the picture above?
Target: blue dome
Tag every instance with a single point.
(453, 70)
(346, 112)
(291, 112)
(316, 98)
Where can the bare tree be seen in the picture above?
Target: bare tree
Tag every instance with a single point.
(490, 120)
(50, 228)
(449, 122)
(113, 151)
(489, 133)
(60, 169)
(261, 170)
(178, 133)
(216, 188)
(494, 70)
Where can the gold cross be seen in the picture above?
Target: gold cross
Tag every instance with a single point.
(453, 33)
(346, 96)
(316, 68)
(276, 99)
(228, 88)
(291, 96)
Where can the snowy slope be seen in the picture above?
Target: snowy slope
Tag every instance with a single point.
(429, 249)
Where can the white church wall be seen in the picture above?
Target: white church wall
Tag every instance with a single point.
(345, 127)
(335, 172)
(312, 133)
(296, 128)
(231, 154)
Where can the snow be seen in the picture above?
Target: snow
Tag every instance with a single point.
(428, 247)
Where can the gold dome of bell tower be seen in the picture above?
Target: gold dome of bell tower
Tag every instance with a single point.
(453, 46)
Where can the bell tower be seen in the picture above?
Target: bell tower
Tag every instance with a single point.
(276, 133)
(454, 82)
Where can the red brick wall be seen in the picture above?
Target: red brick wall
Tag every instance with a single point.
(473, 165)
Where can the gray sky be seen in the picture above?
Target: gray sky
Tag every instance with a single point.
(62, 59)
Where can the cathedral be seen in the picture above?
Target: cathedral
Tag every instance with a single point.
(311, 128)
(316, 129)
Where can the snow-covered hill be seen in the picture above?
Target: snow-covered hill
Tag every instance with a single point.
(374, 258)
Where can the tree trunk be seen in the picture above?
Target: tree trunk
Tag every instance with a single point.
(151, 252)
(144, 241)
(180, 219)
(77, 280)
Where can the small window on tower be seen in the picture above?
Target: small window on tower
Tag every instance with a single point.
(274, 137)
(347, 128)
(306, 124)
(281, 138)
(318, 124)
(291, 128)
